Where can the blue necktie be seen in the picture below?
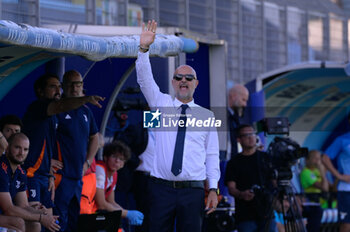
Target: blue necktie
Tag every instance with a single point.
(176, 166)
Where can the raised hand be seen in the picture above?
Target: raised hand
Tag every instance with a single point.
(148, 34)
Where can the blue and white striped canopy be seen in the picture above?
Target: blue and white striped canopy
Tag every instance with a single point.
(23, 48)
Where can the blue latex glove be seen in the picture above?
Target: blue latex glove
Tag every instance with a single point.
(135, 217)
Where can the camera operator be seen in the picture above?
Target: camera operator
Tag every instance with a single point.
(247, 182)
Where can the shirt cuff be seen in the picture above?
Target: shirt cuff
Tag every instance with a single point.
(142, 55)
(213, 183)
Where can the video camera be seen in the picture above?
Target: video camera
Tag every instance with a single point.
(282, 152)
(124, 104)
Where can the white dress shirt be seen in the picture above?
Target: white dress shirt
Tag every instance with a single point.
(147, 156)
(201, 148)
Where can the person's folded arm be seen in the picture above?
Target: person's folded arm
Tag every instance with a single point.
(10, 209)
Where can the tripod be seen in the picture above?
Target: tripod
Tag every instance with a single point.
(285, 197)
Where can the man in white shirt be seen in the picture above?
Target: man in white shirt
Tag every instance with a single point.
(183, 159)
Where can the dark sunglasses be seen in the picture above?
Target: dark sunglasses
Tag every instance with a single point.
(189, 77)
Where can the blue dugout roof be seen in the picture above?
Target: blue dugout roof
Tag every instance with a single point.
(314, 96)
(23, 48)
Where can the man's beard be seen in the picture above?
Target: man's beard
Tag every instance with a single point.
(14, 160)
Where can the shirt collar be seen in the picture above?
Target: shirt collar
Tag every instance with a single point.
(178, 103)
(7, 162)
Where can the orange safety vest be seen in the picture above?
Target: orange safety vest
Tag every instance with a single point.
(88, 191)
(108, 190)
(87, 202)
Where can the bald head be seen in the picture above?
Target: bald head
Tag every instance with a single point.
(73, 84)
(17, 136)
(184, 83)
(185, 69)
(238, 98)
(17, 149)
